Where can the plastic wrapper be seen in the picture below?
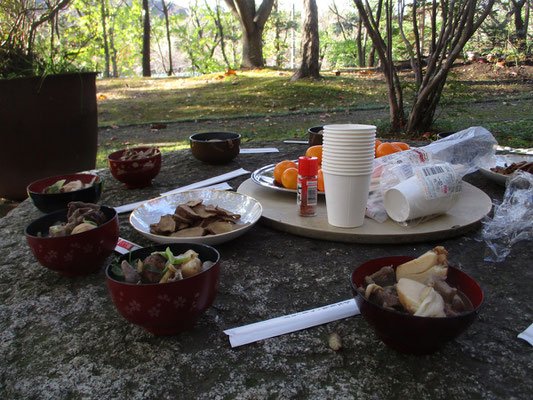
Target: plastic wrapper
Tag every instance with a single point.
(413, 193)
(467, 151)
(512, 220)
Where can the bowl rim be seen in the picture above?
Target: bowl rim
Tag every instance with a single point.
(107, 269)
(407, 315)
(62, 211)
(112, 156)
(193, 139)
(98, 181)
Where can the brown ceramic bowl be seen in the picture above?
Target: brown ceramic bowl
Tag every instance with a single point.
(215, 147)
(135, 173)
(48, 202)
(167, 308)
(407, 333)
(315, 135)
(73, 255)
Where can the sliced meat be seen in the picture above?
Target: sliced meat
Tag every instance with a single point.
(186, 211)
(221, 211)
(200, 209)
(182, 219)
(194, 203)
(190, 232)
(219, 227)
(165, 225)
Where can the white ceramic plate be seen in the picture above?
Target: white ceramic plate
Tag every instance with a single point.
(265, 177)
(151, 212)
(501, 160)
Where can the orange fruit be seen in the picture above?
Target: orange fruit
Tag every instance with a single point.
(289, 178)
(320, 181)
(386, 149)
(401, 145)
(281, 167)
(315, 151)
(378, 142)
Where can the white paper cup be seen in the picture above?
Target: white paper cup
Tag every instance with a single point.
(346, 198)
(347, 173)
(345, 137)
(342, 150)
(348, 127)
(348, 169)
(349, 164)
(368, 153)
(407, 201)
(352, 135)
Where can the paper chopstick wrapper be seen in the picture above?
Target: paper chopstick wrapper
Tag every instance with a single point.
(259, 150)
(296, 141)
(527, 335)
(210, 181)
(291, 323)
(125, 246)
(218, 186)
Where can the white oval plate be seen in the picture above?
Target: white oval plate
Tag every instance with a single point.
(150, 212)
(501, 160)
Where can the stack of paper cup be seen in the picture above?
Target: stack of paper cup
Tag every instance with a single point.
(347, 165)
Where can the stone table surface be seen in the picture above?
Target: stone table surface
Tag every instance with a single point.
(62, 338)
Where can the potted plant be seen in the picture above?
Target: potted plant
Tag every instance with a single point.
(47, 107)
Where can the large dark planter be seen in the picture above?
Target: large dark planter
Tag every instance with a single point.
(48, 126)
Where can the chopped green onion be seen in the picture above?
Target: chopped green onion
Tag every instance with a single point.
(56, 187)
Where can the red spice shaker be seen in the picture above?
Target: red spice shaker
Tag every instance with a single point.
(307, 188)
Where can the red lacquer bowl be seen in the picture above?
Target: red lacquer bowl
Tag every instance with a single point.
(48, 202)
(407, 333)
(135, 173)
(167, 308)
(73, 255)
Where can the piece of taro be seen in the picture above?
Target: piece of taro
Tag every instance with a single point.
(219, 227)
(189, 232)
(165, 226)
(153, 265)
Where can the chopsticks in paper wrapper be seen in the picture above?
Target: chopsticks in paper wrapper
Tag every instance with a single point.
(291, 323)
(205, 184)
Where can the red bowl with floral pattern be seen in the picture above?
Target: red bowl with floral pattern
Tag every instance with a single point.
(73, 255)
(135, 173)
(166, 308)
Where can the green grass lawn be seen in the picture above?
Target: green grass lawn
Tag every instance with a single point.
(267, 92)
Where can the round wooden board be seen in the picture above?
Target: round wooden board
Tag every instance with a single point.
(280, 212)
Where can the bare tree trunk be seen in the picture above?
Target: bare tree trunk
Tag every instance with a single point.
(360, 52)
(372, 54)
(252, 24)
(310, 67)
(220, 28)
(459, 21)
(170, 71)
(384, 51)
(103, 13)
(146, 39)
(520, 35)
